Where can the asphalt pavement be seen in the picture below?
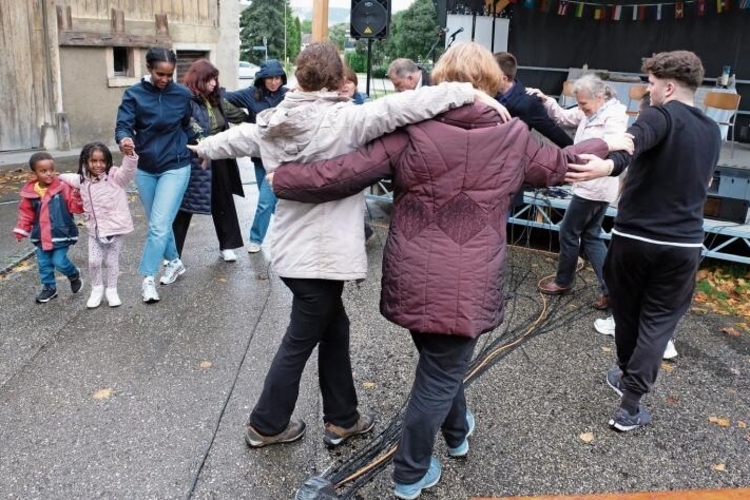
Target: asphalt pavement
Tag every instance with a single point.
(150, 401)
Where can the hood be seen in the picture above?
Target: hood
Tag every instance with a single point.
(268, 69)
(472, 116)
(27, 191)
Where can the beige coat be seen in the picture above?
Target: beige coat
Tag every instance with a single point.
(326, 241)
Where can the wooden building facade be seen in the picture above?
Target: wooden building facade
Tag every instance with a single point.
(66, 63)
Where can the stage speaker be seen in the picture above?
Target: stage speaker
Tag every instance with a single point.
(370, 18)
(725, 208)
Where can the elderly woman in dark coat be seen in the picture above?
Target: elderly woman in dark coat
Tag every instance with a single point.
(444, 260)
(210, 190)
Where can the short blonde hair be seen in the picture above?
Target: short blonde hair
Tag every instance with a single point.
(469, 62)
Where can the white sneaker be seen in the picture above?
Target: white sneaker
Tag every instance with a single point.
(605, 326)
(670, 352)
(112, 298)
(148, 290)
(228, 255)
(253, 248)
(97, 292)
(174, 270)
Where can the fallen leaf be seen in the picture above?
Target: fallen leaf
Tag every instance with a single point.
(741, 424)
(586, 437)
(731, 331)
(607, 349)
(702, 274)
(667, 367)
(223, 280)
(368, 385)
(719, 467)
(721, 422)
(102, 394)
(672, 401)
(206, 364)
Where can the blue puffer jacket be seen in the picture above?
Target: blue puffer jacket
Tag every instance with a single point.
(224, 173)
(158, 121)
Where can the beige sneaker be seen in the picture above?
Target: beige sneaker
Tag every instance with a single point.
(294, 431)
(335, 435)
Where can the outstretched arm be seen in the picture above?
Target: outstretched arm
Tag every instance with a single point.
(236, 142)
(339, 177)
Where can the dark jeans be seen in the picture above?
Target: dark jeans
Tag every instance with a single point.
(580, 229)
(318, 319)
(650, 287)
(223, 213)
(437, 401)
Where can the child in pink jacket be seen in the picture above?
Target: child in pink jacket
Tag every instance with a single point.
(105, 206)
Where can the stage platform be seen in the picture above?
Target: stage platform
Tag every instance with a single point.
(543, 209)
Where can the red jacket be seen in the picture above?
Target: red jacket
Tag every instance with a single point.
(454, 179)
(48, 221)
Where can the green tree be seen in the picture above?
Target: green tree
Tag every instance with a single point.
(413, 32)
(306, 27)
(263, 18)
(338, 34)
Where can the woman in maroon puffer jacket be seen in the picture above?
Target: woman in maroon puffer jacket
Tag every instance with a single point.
(444, 260)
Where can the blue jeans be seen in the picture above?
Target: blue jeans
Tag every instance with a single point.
(266, 206)
(49, 260)
(161, 195)
(580, 229)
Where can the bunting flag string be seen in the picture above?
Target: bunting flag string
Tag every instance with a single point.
(658, 11)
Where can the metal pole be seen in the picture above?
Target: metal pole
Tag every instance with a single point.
(369, 65)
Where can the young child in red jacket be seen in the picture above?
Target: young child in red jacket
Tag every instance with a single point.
(45, 215)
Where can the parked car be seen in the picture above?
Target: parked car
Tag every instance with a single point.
(247, 70)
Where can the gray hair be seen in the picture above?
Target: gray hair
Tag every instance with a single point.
(402, 67)
(593, 86)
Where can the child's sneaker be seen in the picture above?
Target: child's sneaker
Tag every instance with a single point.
(76, 283)
(174, 270)
(97, 292)
(48, 293)
(335, 435)
(112, 298)
(430, 479)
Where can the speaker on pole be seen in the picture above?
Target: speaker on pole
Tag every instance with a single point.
(370, 19)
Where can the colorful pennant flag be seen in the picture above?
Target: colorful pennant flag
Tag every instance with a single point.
(617, 12)
(701, 8)
(579, 10)
(679, 9)
(562, 9)
(658, 12)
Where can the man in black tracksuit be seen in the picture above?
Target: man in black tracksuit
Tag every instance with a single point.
(658, 232)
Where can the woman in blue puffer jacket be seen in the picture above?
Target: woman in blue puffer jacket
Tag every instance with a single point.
(267, 91)
(211, 189)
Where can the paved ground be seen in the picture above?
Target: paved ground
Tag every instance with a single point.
(149, 402)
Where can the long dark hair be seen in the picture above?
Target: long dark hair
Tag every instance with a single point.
(87, 151)
(198, 76)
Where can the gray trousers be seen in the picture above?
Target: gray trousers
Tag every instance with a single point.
(437, 402)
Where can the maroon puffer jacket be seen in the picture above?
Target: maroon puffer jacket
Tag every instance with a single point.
(454, 178)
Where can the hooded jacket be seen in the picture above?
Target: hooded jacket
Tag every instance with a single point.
(257, 97)
(326, 241)
(48, 220)
(454, 178)
(105, 201)
(158, 121)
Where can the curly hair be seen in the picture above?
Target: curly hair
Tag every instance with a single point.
(197, 77)
(319, 67)
(469, 62)
(87, 151)
(680, 65)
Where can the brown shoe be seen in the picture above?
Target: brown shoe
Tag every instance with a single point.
(601, 302)
(552, 288)
(294, 431)
(335, 435)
